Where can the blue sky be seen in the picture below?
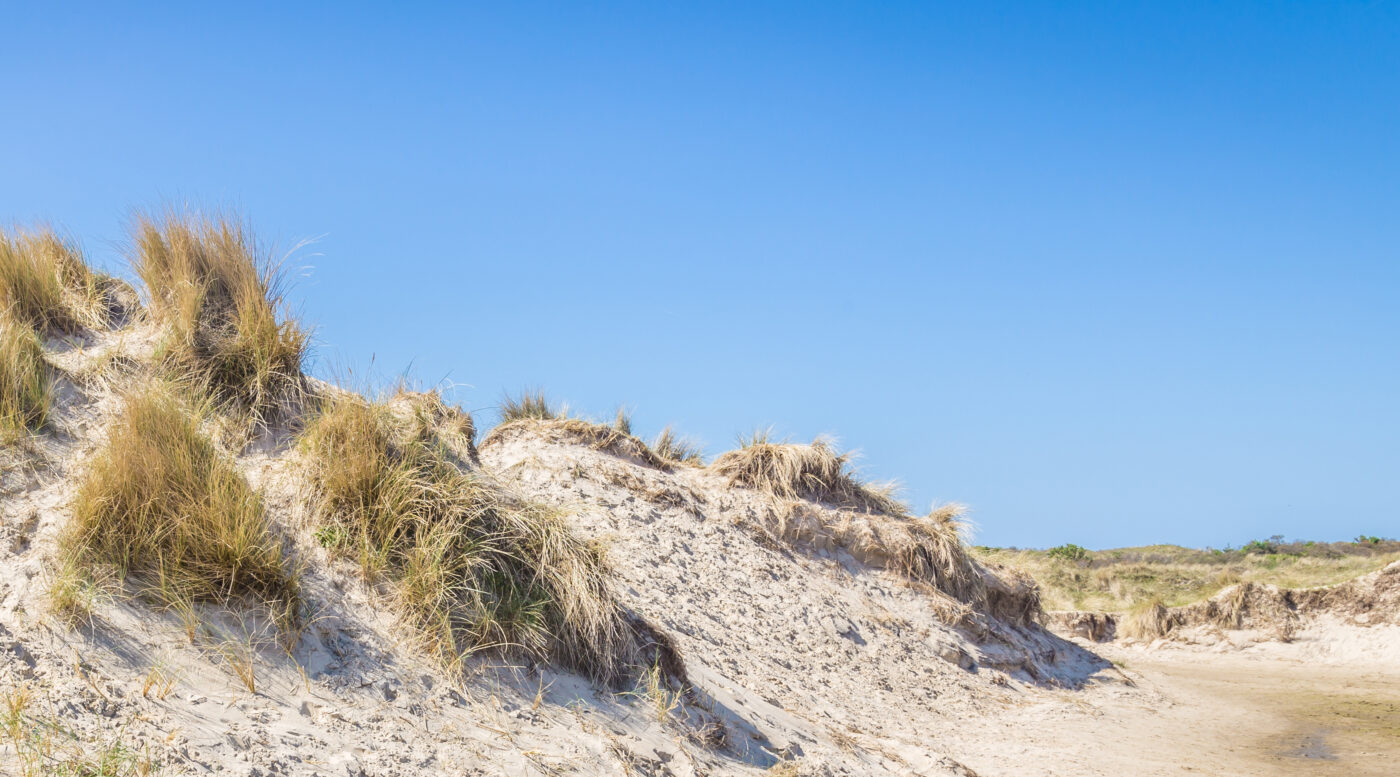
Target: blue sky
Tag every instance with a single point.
(1110, 273)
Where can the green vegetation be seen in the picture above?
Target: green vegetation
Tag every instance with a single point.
(472, 568)
(159, 500)
(1127, 579)
(1068, 552)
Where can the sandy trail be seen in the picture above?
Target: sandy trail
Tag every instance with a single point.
(1208, 714)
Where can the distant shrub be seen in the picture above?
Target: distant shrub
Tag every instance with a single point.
(1068, 552)
(1259, 547)
(1365, 540)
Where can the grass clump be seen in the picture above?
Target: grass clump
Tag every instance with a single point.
(814, 471)
(677, 450)
(471, 567)
(220, 295)
(46, 284)
(24, 381)
(530, 404)
(160, 501)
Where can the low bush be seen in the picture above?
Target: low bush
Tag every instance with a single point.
(1068, 552)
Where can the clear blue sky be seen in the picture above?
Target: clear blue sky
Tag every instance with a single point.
(1111, 273)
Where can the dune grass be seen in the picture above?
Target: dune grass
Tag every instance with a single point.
(530, 404)
(160, 502)
(220, 295)
(677, 450)
(471, 568)
(24, 381)
(816, 471)
(1129, 579)
(45, 283)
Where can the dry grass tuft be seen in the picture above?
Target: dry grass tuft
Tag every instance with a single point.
(220, 295)
(24, 381)
(599, 437)
(1149, 621)
(928, 550)
(160, 501)
(814, 471)
(46, 284)
(471, 568)
(531, 404)
(677, 450)
(933, 550)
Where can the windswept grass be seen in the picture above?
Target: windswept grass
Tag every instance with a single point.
(472, 569)
(676, 449)
(814, 471)
(158, 500)
(24, 381)
(46, 284)
(220, 295)
(530, 404)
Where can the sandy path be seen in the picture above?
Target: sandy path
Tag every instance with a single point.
(1207, 714)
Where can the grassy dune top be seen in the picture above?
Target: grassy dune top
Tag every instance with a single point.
(1118, 579)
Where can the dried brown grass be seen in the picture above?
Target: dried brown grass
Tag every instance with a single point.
(220, 295)
(45, 283)
(25, 380)
(816, 471)
(160, 501)
(471, 567)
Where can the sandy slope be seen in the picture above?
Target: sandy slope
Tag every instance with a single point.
(800, 655)
(803, 656)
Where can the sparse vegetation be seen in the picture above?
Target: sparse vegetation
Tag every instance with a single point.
(220, 296)
(472, 568)
(24, 381)
(530, 404)
(41, 745)
(814, 471)
(160, 501)
(1120, 580)
(677, 450)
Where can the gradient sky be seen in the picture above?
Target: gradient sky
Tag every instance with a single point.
(1111, 273)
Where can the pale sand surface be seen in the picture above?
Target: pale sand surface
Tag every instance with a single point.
(1198, 713)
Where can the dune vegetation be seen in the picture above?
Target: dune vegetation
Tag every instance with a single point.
(160, 501)
(218, 293)
(472, 568)
(815, 471)
(1131, 579)
(24, 381)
